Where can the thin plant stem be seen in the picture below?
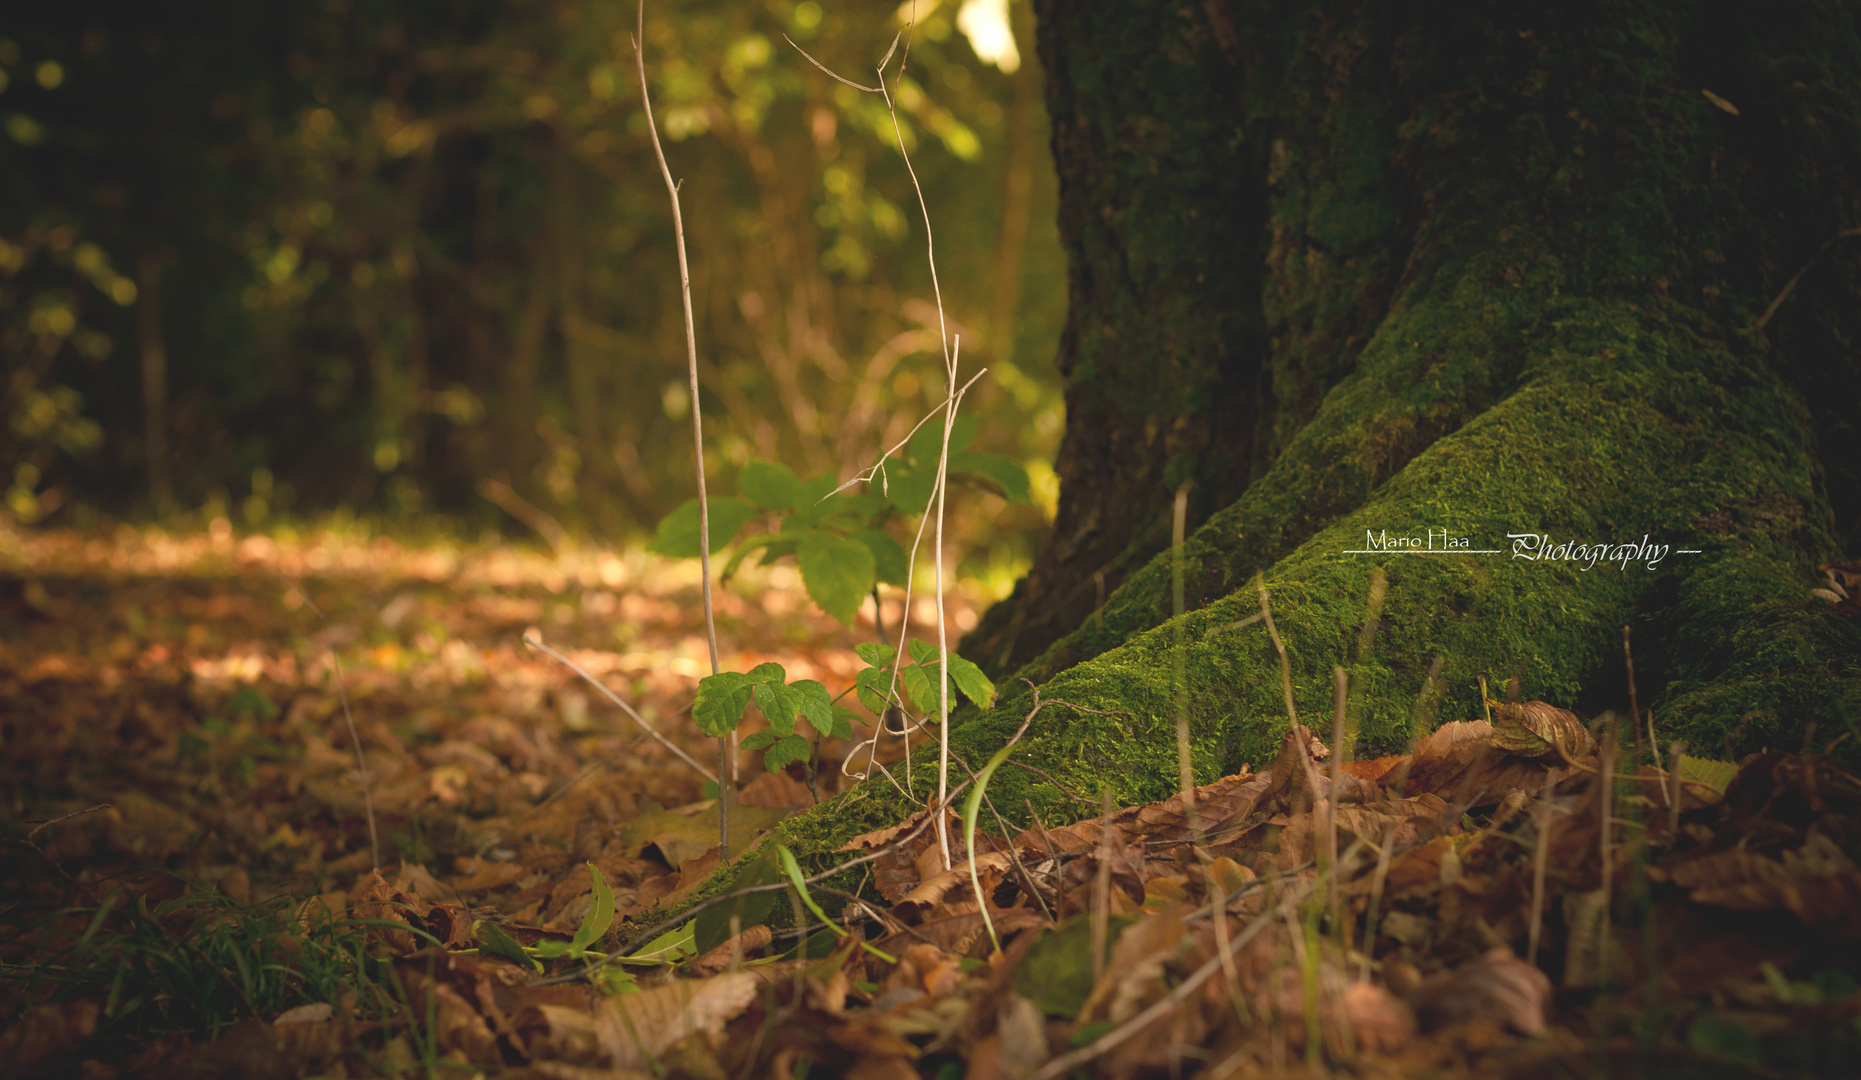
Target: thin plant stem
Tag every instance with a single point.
(1101, 889)
(1285, 664)
(1185, 762)
(697, 423)
(1540, 856)
(1605, 806)
(1340, 687)
(1634, 710)
(536, 643)
(361, 764)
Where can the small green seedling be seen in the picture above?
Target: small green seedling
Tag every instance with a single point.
(723, 697)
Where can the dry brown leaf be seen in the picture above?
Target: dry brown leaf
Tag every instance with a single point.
(457, 1024)
(1536, 729)
(989, 869)
(1497, 986)
(633, 1029)
(776, 789)
(738, 948)
(1459, 763)
(481, 875)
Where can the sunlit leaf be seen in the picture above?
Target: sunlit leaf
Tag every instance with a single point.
(971, 681)
(778, 704)
(838, 573)
(875, 653)
(758, 740)
(718, 708)
(769, 484)
(677, 535)
(927, 445)
(814, 704)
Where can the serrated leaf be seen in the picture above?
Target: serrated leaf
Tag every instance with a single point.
(778, 704)
(677, 534)
(875, 653)
(843, 722)
(769, 484)
(870, 685)
(770, 672)
(1000, 470)
(889, 562)
(838, 572)
(1717, 775)
(759, 740)
(493, 939)
(918, 685)
(814, 704)
(718, 708)
(971, 681)
(600, 914)
(789, 748)
(923, 651)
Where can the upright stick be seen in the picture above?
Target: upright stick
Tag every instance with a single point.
(697, 425)
(1185, 761)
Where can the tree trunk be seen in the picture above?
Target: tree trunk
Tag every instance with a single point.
(1460, 270)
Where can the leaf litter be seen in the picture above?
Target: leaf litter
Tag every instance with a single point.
(521, 826)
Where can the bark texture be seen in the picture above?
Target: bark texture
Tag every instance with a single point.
(1498, 268)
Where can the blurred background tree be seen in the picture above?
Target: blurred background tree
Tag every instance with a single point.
(398, 256)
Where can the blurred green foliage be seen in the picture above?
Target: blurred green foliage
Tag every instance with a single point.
(403, 256)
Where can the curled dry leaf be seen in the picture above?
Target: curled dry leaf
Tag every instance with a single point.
(1459, 762)
(989, 868)
(1497, 986)
(1536, 729)
(634, 1029)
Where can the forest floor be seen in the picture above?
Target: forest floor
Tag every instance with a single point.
(199, 880)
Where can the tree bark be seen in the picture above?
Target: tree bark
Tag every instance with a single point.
(1467, 269)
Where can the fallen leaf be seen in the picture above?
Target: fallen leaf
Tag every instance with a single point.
(633, 1030)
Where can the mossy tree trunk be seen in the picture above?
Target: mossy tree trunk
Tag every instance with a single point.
(1471, 268)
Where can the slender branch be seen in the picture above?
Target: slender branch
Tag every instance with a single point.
(697, 422)
(361, 763)
(535, 643)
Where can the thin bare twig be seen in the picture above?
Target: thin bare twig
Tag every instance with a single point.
(697, 423)
(1066, 1063)
(1796, 277)
(361, 763)
(1540, 856)
(536, 643)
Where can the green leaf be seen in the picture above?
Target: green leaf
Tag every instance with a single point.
(875, 653)
(927, 445)
(677, 535)
(971, 681)
(788, 748)
(871, 684)
(778, 706)
(671, 947)
(770, 672)
(600, 914)
(918, 684)
(493, 939)
(910, 490)
(1000, 470)
(843, 722)
(838, 572)
(814, 704)
(722, 697)
(1717, 775)
(758, 741)
(923, 651)
(769, 484)
(890, 564)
